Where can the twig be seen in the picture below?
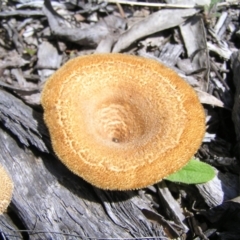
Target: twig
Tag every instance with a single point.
(19, 89)
(27, 13)
(120, 10)
(166, 5)
(146, 4)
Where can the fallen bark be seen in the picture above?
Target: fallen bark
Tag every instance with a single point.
(155, 22)
(90, 36)
(49, 200)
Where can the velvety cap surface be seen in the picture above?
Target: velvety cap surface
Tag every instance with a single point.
(120, 121)
(6, 189)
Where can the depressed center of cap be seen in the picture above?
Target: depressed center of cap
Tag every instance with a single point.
(116, 117)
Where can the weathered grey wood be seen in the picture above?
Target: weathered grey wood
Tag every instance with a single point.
(173, 207)
(169, 53)
(223, 187)
(23, 122)
(90, 36)
(194, 37)
(156, 22)
(50, 201)
(8, 229)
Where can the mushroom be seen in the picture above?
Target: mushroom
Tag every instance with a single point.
(121, 122)
(6, 189)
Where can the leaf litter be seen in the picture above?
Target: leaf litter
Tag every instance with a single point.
(198, 39)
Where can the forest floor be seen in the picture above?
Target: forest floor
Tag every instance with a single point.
(199, 42)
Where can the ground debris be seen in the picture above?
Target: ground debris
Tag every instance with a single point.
(197, 39)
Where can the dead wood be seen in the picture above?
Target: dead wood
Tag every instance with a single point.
(156, 22)
(9, 229)
(90, 36)
(194, 37)
(21, 13)
(23, 122)
(49, 201)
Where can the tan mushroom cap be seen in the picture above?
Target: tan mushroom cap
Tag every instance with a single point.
(122, 122)
(6, 189)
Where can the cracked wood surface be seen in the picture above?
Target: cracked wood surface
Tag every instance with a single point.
(49, 201)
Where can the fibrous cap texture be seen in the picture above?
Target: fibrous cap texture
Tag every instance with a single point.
(122, 122)
(6, 189)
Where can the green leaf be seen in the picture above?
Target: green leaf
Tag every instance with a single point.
(193, 173)
(30, 51)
